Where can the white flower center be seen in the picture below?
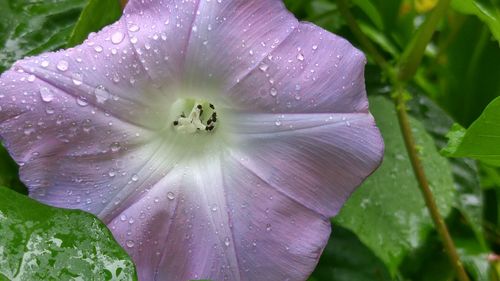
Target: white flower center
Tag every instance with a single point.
(201, 119)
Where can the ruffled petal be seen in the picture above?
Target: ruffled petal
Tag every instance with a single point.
(215, 219)
(311, 71)
(315, 159)
(219, 40)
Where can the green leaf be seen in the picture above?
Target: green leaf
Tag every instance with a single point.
(44, 243)
(486, 10)
(345, 258)
(481, 140)
(465, 171)
(371, 11)
(467, 70)
(96, 15)
(387, 212)
(9, 172)
(30, 27)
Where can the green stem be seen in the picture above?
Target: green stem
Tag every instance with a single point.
(414, 52)
(418, 169)
(407, 68)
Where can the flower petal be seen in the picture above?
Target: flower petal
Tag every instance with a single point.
(311, 71)
(160, 32)
(84, 123)
(230, 37)
(315, 159)
(214, 219)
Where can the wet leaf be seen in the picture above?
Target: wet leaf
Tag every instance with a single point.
(44, 243)
(387, 212)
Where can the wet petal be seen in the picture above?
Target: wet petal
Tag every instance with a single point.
(214, 219)
(315, 159)
(230, 38)
(311, 71)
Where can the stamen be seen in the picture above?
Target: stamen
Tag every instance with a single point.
(194, 122)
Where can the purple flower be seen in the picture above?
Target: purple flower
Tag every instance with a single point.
(214, 137)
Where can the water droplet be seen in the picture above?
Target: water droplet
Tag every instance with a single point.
(45, 64)
(98, 48)
(115, 147)
(268, 227)
(81, 101)
(315, 47)
(273, 92)
(130, 243)
(31, 78)
(135, 177)
(101, 94)
(117, 37)
(156, 200)
(46, 94)
(277, 123)
(123, 217)
(111, 173)
(62, 65)
(263, 67)
(77, 79)
(300, 57)
(214, 208)
(170, 196)
(227, 241)
(134, 28)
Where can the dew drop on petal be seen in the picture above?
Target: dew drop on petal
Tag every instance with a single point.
(101, 94)
(77, 79)
(81, 101)
(170, 196)
(117, 37)
(273, 92)
(45, 64)
(300, 57)
(98, 48)
(123, 217)
(135, 177)
(46, 94)
(31, 78)
(227, 242)
(133, 28)
(115, 147)
(268, 227)
(62, 65)
(263, 67)
(130, 243)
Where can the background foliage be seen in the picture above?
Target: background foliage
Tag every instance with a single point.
(384, 232)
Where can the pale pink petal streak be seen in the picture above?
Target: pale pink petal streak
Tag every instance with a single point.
(315, 159)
